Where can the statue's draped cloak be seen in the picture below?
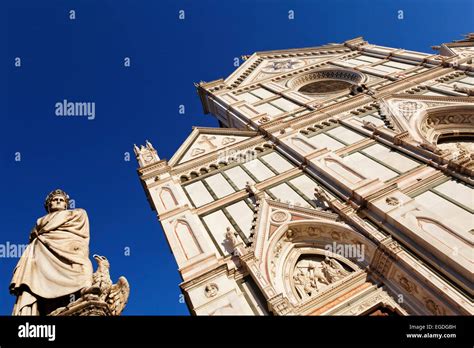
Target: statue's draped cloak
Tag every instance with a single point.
(56, 262)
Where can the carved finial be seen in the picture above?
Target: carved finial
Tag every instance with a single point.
(231, 236)
(251, 188)
(431, 147)
(146, 154)
(369, 125)
(468, 91)
(199, 84)
(149, 145)
(320, 193)
(400, 75)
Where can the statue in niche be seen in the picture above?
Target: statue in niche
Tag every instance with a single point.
(313, 274)
(316, 277)
(54, 274)
(333, 270)
(302, 284)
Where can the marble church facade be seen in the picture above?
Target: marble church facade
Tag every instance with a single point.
(339, 183)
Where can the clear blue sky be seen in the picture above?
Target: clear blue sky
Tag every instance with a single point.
(82, 60)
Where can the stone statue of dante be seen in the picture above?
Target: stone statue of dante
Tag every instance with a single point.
(56, 264)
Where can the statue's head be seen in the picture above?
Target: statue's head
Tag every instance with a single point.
(56, 200)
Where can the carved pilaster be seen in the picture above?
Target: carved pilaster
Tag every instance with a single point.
(280, 305)
(384, 256)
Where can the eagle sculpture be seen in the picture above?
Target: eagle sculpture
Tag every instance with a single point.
(115, 295)
(102, 298)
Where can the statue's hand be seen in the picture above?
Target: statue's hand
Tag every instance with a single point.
(33, 235)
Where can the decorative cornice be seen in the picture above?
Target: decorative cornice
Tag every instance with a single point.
(161, 166)
(450, 99)
(214, 155)
(204, 277)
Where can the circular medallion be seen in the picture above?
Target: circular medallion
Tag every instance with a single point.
(326, 81)
(324, 86)
(279, 216)
(211, 290)
(392, 201)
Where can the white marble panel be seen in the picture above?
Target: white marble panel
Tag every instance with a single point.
(377, 121)
(305, 185)
(461, 84)
(242, 215)
(262, 93)
(368, 58)
(368, 167)
(198, 193)
(285, 104)
(286, 193)
(346, 135)
(458, 192)
(259, 170)
(219, 185)
(385, 69)
(217, 224)
(268, 109)
(249, 98)
(398, 65)
(356, 62)
(468, 80)
(277, 162)
(392, 158)
(239, 177)
(324, 141)
(454, 216)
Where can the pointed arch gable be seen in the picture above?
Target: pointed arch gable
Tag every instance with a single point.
(437, 122)
(317, 233)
